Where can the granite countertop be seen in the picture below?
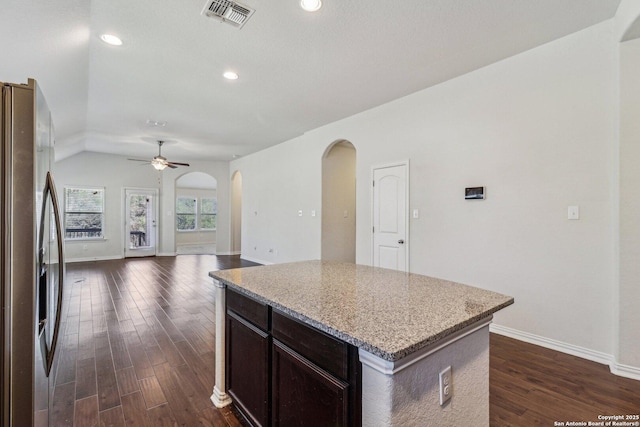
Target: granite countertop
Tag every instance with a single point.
(388, 313)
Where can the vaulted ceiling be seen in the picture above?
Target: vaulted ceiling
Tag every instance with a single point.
(297, 70)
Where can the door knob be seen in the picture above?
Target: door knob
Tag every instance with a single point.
(401, 241)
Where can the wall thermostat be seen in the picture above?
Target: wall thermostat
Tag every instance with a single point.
(474, 193)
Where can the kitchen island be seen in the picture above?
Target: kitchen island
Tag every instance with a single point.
(373, 341)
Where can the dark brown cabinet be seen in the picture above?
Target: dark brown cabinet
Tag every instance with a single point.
(248, 355)
(282, 372)
(248, 351)
(304, 394)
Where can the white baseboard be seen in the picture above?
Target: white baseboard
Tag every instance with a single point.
(574, 350)
(625, 371)
(227, 253)
(259, 261)
(95, 258)
(166, 254)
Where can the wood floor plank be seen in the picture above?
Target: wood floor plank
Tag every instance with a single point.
(86, 348)
(112, 417)
(203, 371)
(67, 359)
(139, 358)
(127, 381)
(135, 411)
(108, 395)
(86, 380)
(161, 416)
(62, 412)
(181, 407)
(211, 417)
(198, 394)
(119, 350)
(152, 392)
(86, 412)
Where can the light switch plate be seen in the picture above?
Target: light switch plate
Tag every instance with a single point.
(573, 212)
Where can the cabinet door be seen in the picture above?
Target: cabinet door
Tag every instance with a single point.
(248, 369)
(305, 395)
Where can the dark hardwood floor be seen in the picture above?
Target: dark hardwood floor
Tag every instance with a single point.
(534, 386)
(138, 349)
(138, 344)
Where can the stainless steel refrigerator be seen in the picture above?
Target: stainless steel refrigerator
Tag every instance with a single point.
(31, 257)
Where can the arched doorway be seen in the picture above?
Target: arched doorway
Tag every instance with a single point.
(196, 208)
(236, 213)
(339, 202)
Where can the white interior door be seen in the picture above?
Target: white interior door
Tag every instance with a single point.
(141, 220)
(390, 224)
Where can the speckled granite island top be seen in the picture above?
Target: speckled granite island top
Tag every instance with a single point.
(388, 313)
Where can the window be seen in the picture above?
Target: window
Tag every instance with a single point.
(83, 213)
(208, 213)
(191, 217)
(186, 212)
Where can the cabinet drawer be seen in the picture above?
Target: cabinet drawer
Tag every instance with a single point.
(252, 310)
(322, 349)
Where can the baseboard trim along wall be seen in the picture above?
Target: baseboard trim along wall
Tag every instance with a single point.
(574, 350)
(95, 258)
(259, 261)
(227, 253)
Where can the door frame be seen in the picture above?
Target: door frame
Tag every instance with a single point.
(125, 231)
(407, 243)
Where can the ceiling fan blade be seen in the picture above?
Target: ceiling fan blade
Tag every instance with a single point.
(139, 160)
(171, 165)
(179, 164)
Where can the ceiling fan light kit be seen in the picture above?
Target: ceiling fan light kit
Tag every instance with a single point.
(159, 162)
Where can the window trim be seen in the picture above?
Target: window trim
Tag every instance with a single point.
(102, 213)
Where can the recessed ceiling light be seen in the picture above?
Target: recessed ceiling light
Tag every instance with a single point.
(310, 5)
(230, 75)
(156, 123)
(111, 39)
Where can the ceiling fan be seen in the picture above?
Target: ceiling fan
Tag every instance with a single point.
(159, 162)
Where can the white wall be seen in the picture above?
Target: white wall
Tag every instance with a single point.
(236, 213)
(276, 184)
(536, 129)
(628, 319)
(114, 173)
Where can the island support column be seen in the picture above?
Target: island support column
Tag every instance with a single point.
(407, 392)
(220, 398)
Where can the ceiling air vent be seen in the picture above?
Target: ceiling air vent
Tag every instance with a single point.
(227, 11)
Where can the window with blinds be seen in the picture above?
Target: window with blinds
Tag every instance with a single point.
(83, 213)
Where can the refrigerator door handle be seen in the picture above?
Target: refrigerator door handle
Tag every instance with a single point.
(50, 191)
